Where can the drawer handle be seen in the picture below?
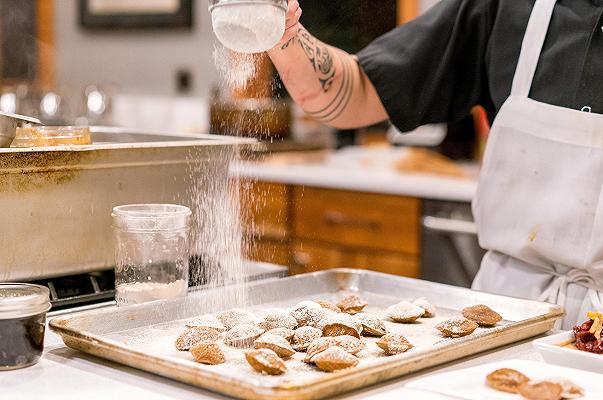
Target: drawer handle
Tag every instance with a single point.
(446, 225)
(337, 218)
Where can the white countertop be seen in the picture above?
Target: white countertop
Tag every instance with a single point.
(67, 374)
(349, 170)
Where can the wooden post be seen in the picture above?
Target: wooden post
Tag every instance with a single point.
(407, 10)
(45, 39)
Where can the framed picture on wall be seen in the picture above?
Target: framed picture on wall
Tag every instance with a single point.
(136, 14)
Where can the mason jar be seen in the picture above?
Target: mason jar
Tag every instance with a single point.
(151, 252)
(23, 309)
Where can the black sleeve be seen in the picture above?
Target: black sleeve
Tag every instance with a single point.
(432, 69)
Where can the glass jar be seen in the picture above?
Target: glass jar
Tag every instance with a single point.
(23, 310)
(151, 252)
(248, 26)
(48, 136)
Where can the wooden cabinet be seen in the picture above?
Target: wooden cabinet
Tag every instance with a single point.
(309, 257)
(355, 219)
(388, 262)
(266, 209)
(270, 251)
(311, 229)
(266, 221)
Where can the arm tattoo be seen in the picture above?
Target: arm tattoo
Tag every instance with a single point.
(319, 56)
(288, 43)
(321, 59)
(341, 100)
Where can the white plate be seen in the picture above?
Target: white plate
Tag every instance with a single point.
(470, 383)
(552, 353)
(407, 394)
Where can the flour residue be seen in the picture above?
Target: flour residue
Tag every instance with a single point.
(142, 292)
(158, 341)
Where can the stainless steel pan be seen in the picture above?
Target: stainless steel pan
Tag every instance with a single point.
(9, 124)
(55, 203)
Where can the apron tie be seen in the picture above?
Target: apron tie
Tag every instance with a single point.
(595, 298)
(556, 291)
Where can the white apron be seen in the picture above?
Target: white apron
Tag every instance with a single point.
(539, 204)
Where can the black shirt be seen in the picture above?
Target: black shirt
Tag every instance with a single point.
(464, 52)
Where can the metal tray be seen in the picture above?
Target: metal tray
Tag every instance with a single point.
(58, 200)
(142, 336)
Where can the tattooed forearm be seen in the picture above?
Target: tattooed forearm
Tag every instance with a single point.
(288, 43)
(329, 84)
(339, 103)
(319, 56)
(336, 72)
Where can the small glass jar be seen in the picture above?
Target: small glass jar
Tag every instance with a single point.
(23, 310)
(248, 26)
(151, 252)
(48, 136)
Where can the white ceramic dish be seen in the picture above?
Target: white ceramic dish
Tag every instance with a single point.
(553, 352)
(407, 394)
(470, 383)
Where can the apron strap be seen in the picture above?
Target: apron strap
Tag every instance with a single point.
(531, 47)
(595, 299)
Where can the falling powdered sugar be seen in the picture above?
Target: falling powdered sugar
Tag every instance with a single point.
(235, 69)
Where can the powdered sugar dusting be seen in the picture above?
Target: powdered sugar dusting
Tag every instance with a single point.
(308, 313)
(158, 341)
(304, 336)
(334, 358)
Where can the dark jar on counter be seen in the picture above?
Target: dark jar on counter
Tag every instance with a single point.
(23, 310)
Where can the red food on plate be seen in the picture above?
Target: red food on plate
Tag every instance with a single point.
(587, 341)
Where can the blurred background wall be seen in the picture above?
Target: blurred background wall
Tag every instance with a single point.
(128, 59)
(138, 62)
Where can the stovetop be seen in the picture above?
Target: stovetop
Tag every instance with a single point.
(83, 290)
(79, 290)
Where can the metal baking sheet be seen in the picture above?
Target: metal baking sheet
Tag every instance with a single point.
(142, 336)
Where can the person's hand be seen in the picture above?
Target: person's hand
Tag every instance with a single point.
(294, 13)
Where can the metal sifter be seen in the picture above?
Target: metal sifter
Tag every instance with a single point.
(248, 26)
(9, 124)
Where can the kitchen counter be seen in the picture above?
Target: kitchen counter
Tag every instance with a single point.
(362, 170)
(67, 374)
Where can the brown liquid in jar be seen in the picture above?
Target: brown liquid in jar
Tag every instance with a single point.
(21, 341)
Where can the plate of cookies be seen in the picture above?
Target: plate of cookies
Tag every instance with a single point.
(513, 380)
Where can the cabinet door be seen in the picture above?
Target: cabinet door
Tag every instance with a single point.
(265, 209)
(269, 251)
(389, 263)
(353, 219)
(310, 257)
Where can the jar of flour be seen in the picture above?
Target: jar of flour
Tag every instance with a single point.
(248, 26)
